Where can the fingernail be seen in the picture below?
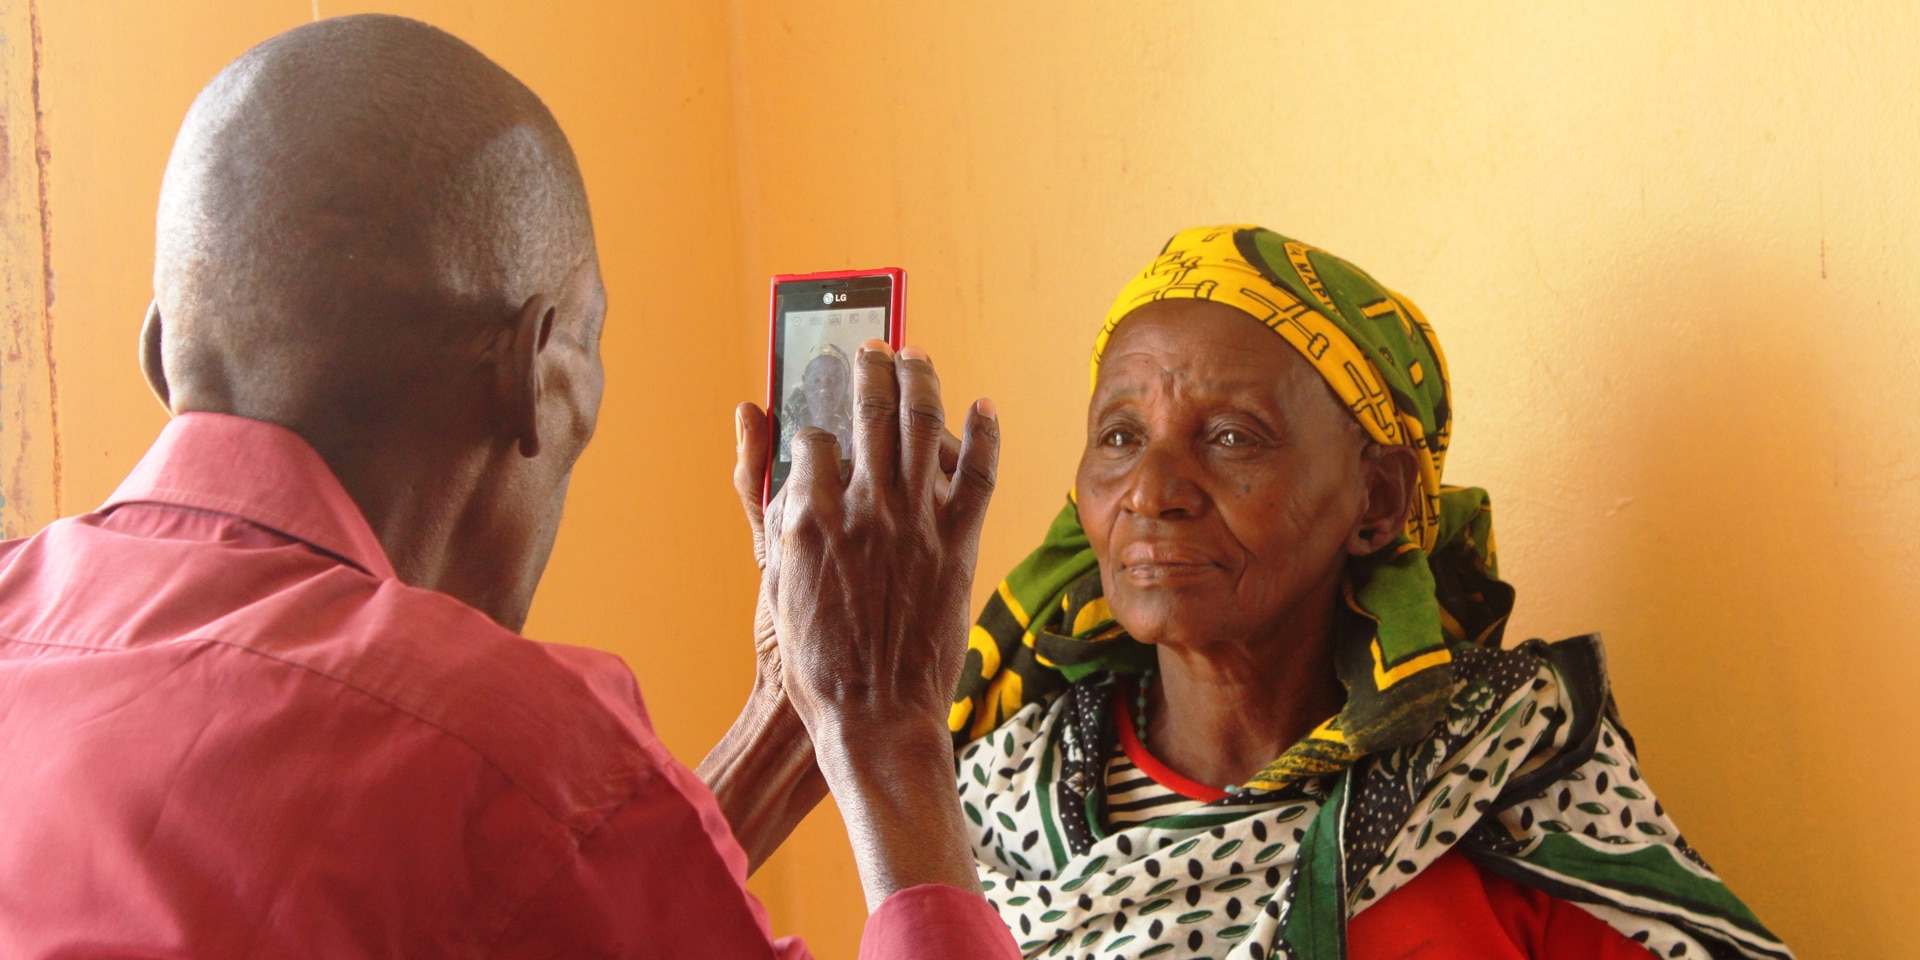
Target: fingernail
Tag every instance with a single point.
(987, 409)
(876, 346)
(739, 428)
(912, 352)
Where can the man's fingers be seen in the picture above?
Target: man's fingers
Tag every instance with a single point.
(922, 419)
(949, 451)
(814, 487)
(750, 469)
(876, 415)
(977, 467)
(949, 459)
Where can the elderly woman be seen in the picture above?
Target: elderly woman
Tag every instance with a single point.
(823, 398)
(1248, 698)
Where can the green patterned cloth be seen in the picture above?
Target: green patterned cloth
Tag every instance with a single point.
(1514, 757)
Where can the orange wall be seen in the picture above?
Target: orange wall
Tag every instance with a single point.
(1669, 248)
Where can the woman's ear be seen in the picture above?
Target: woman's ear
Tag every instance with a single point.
(150, 360)
(517, 373)
(1391, 475)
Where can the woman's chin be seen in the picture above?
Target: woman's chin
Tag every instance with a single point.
(1169, 617)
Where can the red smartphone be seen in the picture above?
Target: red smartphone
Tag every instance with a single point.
(816, 325)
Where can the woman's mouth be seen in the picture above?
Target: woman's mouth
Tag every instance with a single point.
(1160, 563)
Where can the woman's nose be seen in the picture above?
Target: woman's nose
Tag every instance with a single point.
(1163, 485)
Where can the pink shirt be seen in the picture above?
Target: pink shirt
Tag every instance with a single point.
(227, 730)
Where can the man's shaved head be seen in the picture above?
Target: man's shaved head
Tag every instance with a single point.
(341, 200)
(372, 234)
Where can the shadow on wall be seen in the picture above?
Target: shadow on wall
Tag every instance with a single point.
(1744, 581)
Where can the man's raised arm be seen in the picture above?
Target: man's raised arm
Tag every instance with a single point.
(866, 581)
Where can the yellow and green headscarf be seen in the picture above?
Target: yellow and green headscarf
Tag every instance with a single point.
(1406, 605)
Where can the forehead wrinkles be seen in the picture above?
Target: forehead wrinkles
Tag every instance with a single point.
(1147, 372)
(1172, 372)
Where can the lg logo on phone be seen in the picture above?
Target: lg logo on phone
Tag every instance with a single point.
(831, 297)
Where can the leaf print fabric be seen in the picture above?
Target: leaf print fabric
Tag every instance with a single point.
(1529, 775)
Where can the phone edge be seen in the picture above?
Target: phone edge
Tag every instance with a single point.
(896, 338)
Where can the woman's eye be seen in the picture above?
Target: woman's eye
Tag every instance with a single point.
(1234, 438)
(1116, 438)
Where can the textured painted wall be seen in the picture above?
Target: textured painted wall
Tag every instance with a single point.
(1669, 249)
(29, 438)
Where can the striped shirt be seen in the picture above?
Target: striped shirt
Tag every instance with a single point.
(1141, 788)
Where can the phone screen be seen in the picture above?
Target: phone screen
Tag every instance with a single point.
(818, 327)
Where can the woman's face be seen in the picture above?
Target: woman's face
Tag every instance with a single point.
(1222, 482)
(824, 383)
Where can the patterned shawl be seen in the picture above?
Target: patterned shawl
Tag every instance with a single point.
(1445, 739)
(1528, 773)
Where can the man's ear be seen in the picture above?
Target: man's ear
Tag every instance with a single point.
(150, 364)
(1391, 475)
(517, 385)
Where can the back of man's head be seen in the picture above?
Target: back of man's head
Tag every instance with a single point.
(372, 234)
(347, 206)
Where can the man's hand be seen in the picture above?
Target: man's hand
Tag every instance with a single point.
(871, 576)
(762, 772)
(873, 571)
(753, 447)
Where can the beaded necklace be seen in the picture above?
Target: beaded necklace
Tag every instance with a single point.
(1140, 716)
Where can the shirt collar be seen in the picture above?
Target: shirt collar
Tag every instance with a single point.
(260, 472)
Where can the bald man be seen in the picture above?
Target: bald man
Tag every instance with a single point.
(270, 699)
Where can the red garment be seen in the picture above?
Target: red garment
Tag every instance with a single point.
(1453, 910)
(227, 730)
(1149, 764)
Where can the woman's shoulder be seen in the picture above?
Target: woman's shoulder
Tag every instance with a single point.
(1540, 783)
(1539, 721)
(1519, 721)
(1577, 666)
(1564, 683)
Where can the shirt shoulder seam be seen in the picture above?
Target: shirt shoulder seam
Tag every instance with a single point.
(552, 815)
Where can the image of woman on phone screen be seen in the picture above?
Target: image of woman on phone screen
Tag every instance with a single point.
(823, 399)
